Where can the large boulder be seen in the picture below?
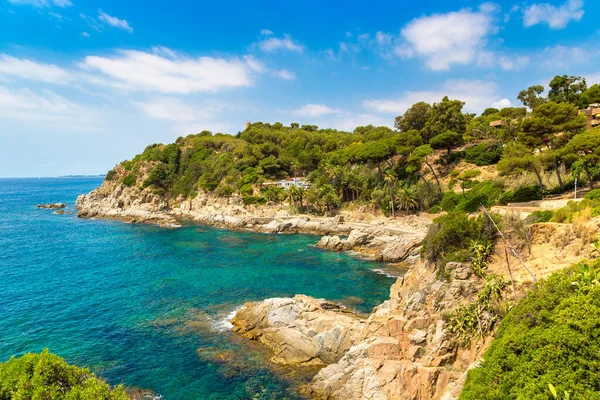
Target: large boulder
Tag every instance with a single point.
(300, 330)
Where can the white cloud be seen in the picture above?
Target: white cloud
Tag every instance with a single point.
(565, 57)
(478, 95)
(260, 67)
(349, 122)
(592, 78)
(266, 32)
(443, 40)
(44, 107)
(186, 117)
(512, 64)
(284, 74)
(314, 110)
(554, 17)
(167, 108)
(85, 34)
(137, 70)
(41, 3)
(31, 70)
(504, 103)
(114, 21)
(91, 22)
(272, 45)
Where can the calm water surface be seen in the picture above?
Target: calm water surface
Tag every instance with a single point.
(147, 306)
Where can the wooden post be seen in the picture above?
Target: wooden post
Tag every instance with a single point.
(508, 244)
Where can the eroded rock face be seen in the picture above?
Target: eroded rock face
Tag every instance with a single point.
(301, 330)
(393, 245)
(405, 351)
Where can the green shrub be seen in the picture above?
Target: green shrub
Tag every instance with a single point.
(540, 216)
(47, 376)
(225, 190)
(470, 174)
(130, 179)
(550, 337)
(450, 201)
(157, 177)
(249, 200)
(484, 154)
(486, 193)
(110, 175)
(592, 195)
(521, 195)
(450, 236)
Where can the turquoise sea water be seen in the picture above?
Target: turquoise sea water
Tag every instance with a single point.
(147, 306)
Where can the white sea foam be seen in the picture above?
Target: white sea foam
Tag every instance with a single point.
(225, 324)
(386, 273)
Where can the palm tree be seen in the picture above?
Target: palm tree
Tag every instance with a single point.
(407, 200)
(329, 196)
(389, 178)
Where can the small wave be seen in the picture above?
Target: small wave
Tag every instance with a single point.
(386, 273)
(152, 397)
(225, 324)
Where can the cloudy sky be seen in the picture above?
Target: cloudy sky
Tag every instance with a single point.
(87, 84)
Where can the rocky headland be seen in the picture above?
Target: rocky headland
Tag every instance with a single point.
(379, 238)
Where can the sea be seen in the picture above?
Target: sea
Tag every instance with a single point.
(148, 307)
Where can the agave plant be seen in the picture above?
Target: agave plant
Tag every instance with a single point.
(587, 278)
(481, 252)
(567, 395)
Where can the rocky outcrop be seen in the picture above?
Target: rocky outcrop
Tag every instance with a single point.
(406, 351)
(52, 206)
(400, 243)
(401, 351)
(300, 331)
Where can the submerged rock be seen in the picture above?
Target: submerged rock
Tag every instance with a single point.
(52, 206)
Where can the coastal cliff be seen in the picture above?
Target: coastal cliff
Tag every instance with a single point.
(379, 238)
(401, 351)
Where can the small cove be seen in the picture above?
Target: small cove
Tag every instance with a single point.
(147, 306)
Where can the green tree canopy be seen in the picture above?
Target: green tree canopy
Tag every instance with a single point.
(414, 118)
(445, 116)
(591, 95)
(446, 140)
(567, 89)
(531, 97)
(550, 119)
(518, 158)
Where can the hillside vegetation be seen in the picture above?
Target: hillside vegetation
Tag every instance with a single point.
(401, 169)
(549, 339)
(47, 376)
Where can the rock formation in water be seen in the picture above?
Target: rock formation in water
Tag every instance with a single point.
(301, 330)
(401, 351)
(52, 206)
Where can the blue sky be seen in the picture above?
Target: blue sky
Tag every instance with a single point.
(85, 85)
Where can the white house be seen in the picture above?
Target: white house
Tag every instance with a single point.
(298, 182)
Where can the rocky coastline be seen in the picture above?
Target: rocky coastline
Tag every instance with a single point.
(378, 238)
(400, 351)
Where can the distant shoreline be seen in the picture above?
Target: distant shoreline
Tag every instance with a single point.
(53, 177)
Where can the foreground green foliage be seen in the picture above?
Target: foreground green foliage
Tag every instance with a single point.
(552, 337)
(46, 376)
(478, 318)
